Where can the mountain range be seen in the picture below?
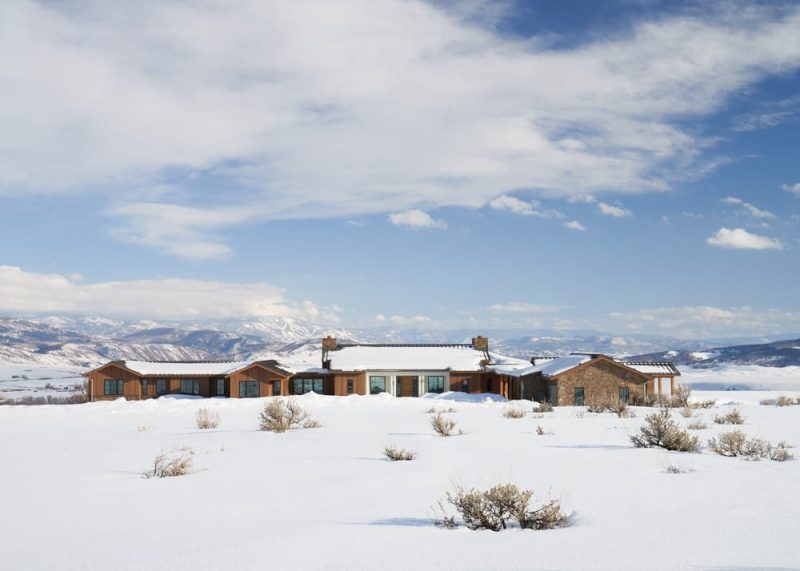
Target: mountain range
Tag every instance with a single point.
(88, 341)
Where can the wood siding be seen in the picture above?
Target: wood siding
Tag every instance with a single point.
(263, 376)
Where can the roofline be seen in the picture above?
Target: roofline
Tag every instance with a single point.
(461, 345)
(593, 360)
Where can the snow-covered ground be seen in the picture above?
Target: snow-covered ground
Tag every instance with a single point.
(72, 494)
(742, 377)
(22, 380)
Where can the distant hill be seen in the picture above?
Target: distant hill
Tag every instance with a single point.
(773, 354)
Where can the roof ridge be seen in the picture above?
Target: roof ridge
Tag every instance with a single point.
(460, 345)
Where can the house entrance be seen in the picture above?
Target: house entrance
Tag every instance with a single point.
(407, 386)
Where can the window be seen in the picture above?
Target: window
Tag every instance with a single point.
(249, 389)
(144, 387)
(349, 386)
(220, 387)
(579, 396)
(553, 394)
(624, 394)
(377, 385)
(276, 388)
(436, 384)
(465, 386)
(190, 387)
(303, 386)
(112, 387)
(161, 386)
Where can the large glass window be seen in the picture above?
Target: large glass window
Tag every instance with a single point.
(303, 386)
(190, 387)
(276, 388)
(112, 387)
(220, 387)
(161, 386)
(377, 385)
(436, 384)
(552, 394)
(249, 389)
(465, 386)
(349, 386)
(624, 394)
(580, 395)
(144, 387)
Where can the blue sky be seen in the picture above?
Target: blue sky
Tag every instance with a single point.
(625, 166)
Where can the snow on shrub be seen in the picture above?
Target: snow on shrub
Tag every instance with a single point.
(434, 410)
(398, 454)
(496, 508)
(680, 398)
(444, 426)
(660, 430)
(206, 418)
(544, 407)
(697, 425)
(736, 443)
(513, 412)
(784, 400)
(732, 417)
(171, 463)
(280, 415)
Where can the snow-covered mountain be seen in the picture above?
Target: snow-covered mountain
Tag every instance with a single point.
(88, 341)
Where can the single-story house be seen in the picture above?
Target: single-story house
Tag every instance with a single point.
(137, 380)
(584, 378)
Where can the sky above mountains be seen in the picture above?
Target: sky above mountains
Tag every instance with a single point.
(622, 165)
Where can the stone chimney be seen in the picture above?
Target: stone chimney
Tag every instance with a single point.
(328, 344)
(480, 343)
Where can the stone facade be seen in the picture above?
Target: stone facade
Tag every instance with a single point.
(601, 380)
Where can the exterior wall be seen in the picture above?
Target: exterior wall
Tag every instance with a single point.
(327, 382)
(475, 380)
(264, 376)
(534, 387)
(130, 383)
(601, 381)
(340, 379)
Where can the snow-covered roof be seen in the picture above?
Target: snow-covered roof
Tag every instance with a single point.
(414, 358)
(178, 368)
(549, 367)
(652, 368)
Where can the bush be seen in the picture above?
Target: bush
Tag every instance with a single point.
(697, 425)
(660, 430)
(434, 410)
(206, 418)
(513, 412)
(496, 507)
(545, 407)
(280, 415)
(620, 408)
(444, 426)
(734, 416)
(680, 398)
(687, 412)
(704, 404)
(736, 443)
(142, 427)
(171, 463)
(783, 400)
(540, 430)
(398, 454)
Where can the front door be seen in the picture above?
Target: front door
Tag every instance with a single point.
(407, 386)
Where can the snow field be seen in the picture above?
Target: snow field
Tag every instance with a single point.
(73, 496)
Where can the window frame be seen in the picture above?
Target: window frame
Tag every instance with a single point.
(349, 386)
(244, 391)
(195, 387)
(627, 392)
(119, 387)
(145, 387)
(162, 383)
(439, 379)
(373, 389)
(465, 385)
(582, 397)
(276, 383)
(307, 385)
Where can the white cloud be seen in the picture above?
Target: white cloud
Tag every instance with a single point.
(753, 211)
(173, 298)
(518, 307)
(611, 210)
(414, 320)
(395, 105)
(575, 225)
(741, 239)
(793, 188)
(522, 207)
(416, 219)
(706, 320)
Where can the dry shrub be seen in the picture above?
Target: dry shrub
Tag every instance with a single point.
(206, 418)
(733, 416)
(496, 507)
(704, 404)
(736, 443)
(434, 410)
(398, 454)
(766, 402)
(142, 427)
(280, 415)
(784, 400)
(661, 430)
(171, 463)
(673, 469)
(545, 407)
(687, 412)
(697, 425)
(539, 430)
(620, 408)
(596, 407)
(513, 412)
(680, 397)
(444, 426)
(579, 413)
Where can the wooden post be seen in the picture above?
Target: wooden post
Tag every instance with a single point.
(659, 385)
(672, 385)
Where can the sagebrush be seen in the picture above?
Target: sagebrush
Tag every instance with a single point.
(662, 431)
(206, 418)
(513, 412)
(444, 426)
(737, 443)
(733, 416)
(171, 463)
(280, 415)
(398, 454)
(498, 507)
